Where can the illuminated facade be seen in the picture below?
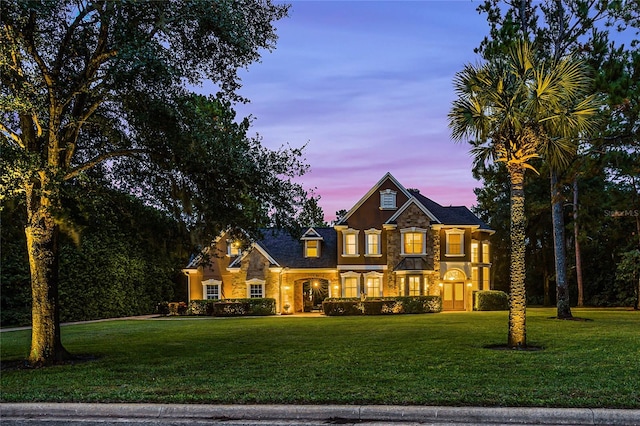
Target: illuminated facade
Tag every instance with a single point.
(393, 242)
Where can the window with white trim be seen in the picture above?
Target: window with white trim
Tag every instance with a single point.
(350, 242)
(373, 287)
(255, 288)
(350, 284)
(312, 248)
(415, 285)
(474, 277)
(211, 289)
(372, 247)
(486, 278)
(388, 199)
(414, 241)
(454, 242)
(485, 252)
(233, 248)
(474, 252)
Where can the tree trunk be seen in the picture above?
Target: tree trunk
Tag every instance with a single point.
(547, 278)
(576, 233)
(518, 297)
(562, 288)
(42, 247)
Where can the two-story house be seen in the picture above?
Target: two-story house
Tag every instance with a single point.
(393, 242)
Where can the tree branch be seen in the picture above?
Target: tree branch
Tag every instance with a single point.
(103, 157)
(12, 135)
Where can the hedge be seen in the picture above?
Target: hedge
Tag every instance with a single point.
(490, 300)
(382, 306)
(240, 307)
(220, 308)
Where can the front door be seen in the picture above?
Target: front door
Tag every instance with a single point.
(313, 293)
(453, 296)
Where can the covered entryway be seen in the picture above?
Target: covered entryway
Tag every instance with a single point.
(314, 291)
(453, 290)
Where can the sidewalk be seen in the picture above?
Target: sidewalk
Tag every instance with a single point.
(159, 414)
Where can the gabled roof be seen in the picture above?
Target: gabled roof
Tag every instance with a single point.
(375, 188)
(452, 215)
(311, 234)
(413, 201)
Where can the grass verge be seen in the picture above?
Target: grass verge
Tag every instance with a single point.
(437, 359)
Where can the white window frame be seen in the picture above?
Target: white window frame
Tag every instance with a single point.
(306, 248)
(230, 246)
(486, 252)
(370, 233)
(486, 278)
(255, 282)
(450, 232)
(213, 283)
(343, 279)
(413, 230)
(373, 276)
(388, 200)
(475, 251)
(356, 234)
(420, 285)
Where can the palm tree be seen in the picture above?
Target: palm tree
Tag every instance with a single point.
(514, 110)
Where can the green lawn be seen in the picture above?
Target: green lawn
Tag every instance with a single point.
(431, 359)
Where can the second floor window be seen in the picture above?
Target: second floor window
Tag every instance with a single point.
(373, 242)
(413, 243)
(455, 242)
(233, 248)
(350, 242)
(312, 248)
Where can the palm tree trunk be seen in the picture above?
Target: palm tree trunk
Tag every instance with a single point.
(576, 234)
(562, 288)
(518, 297)
(42, 247)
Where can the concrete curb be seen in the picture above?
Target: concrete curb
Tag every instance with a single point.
(327, 413)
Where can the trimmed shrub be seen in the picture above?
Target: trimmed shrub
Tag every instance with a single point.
(337, 307)
(382, 306)
(420, 304)
(201, 307)
(490, 300)
(240, 307)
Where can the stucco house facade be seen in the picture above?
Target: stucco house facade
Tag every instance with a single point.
(393, 242)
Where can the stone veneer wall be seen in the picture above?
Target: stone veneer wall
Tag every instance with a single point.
(292, 286)
(412, 217)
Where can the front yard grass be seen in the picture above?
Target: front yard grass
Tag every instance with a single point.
(430, 359)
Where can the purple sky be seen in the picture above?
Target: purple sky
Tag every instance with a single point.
(367, 85)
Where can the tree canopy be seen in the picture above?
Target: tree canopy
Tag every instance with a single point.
(104, 89)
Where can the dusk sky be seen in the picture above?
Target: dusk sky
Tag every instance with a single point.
(367, 85)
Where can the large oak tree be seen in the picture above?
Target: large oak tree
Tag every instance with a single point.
(108, 86)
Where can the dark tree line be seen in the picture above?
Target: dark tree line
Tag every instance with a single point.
(596, 197)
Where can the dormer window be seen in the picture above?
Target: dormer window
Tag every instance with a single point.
(233, 248)
(312, 248)
(311, 240)
(388, 200)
